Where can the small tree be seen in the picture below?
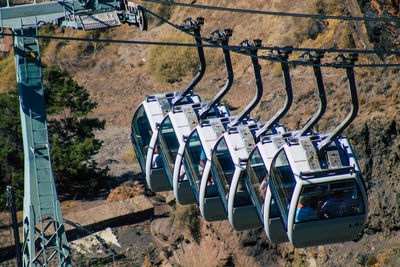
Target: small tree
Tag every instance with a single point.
(11, 147)
(71, 137)
(71, 133)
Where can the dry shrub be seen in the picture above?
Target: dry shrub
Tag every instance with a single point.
(277, 70)
(301, 26)
(187, 218)
(171, 63)
(328, 7)
(347, 40)
(300, 258)
(7, 73)
(78, 49)
(70, 52)
(164, 11)
(129, 155)
(125, 192)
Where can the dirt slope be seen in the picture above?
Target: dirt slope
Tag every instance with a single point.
(118, 79)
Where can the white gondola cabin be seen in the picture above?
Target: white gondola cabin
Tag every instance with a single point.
(321, 198)
(194, 155)
(228, 168)
(317, 183)
(169, 135)
(149, 113)
(177, 125)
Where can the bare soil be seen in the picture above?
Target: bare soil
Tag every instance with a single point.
(117, 78)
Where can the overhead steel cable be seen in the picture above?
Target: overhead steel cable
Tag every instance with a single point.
(285, 48)
(236, 49)
(273, 13)
(211, 45)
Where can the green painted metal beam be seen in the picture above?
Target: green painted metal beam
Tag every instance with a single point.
(44, 240)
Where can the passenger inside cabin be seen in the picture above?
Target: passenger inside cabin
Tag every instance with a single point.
(157, 163)
(341, 204)
(263, 186)
(202, 163)
(304, 212)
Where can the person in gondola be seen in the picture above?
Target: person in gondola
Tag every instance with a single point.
(202, 162)
(304, 212)
(339, 205)
(263, 186)
(157, 163)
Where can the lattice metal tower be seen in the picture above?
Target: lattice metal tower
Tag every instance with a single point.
(44, 237)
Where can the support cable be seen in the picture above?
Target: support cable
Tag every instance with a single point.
(238, 49)
(211, 45)
(273, 13)
(235, 49)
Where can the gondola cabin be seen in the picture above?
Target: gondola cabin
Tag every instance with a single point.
(228, 166)
(320, 195)
(256, 181)
(150, 112)
(168, 136)
(193, 154)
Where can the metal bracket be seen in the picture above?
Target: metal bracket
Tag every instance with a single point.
(251, 49)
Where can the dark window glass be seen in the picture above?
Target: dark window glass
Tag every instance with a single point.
(222, 168)
(329, 200)
(258, 177)
(141, 135)
(194, 160)
(282, 183)
(242, 197)
(168, 146)
(211, 188)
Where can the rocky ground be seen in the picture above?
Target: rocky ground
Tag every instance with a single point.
(117, 78)
(161, 241)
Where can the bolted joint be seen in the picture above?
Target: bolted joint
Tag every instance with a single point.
(190, 24)
(249, 47)
(313, 57)
(257, 42)
(200, 21)
(220, 37)
(350, 59)
(228, 32)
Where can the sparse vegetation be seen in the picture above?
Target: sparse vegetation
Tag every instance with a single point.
(361, 258)
(129, 155)
(328, 7)
(187, 217)
(7, 73)
(171, 63)
(347, 39)
(70, 134)
(371, 260)
(71, 52)
(300, 259)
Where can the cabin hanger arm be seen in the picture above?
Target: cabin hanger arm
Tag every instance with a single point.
(353, 97)
(222, 39)
(251, 49)
(191, 25)
(316, 58)
(282, 56)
